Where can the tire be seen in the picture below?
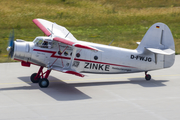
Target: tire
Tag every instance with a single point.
(44, 83)
(34, 80)
(148, 77)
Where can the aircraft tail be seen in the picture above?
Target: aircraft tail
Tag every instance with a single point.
(159, 40)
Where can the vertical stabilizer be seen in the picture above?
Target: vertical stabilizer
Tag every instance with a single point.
(159, 40)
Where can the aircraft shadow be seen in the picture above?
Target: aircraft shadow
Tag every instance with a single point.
(62, 91)
(151, 83)
(139, 81)
(58, 90)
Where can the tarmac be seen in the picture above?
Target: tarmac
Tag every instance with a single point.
(94, 97)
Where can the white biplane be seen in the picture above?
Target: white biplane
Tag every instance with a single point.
(61, 51)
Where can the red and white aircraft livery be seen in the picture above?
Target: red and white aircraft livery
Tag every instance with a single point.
(61, 51)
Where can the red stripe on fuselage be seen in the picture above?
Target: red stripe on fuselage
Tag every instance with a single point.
(82, 60)
(53, 54)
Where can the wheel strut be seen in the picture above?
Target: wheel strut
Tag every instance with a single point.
(39, 72)
(41, 77)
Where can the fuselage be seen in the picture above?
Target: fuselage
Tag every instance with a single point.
(110, 59)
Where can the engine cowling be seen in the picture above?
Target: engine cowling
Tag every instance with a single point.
(22, 50)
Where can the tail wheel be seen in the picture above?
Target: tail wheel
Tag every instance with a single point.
(33, 79)
(44, 83)
(148, 77)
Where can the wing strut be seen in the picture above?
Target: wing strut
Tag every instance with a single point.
(70, 70)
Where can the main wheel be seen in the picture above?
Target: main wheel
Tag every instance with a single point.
(148, 77)
(44, 83)
(33, 78)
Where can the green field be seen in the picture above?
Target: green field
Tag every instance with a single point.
(99, 21)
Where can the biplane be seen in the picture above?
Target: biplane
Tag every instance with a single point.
(59, 50)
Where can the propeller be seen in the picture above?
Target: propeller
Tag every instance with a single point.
(10, 47)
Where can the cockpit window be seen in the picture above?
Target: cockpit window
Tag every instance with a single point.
(39, 42)
(46, 44)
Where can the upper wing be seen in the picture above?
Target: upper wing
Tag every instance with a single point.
(61, 34)
(50, 28)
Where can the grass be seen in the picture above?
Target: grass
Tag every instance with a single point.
(100, 21)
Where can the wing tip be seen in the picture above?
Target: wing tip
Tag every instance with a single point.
(40, 25)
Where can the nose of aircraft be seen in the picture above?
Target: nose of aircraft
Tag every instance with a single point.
(20, 50)
(10, 49)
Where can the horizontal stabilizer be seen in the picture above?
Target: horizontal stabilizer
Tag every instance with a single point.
(161, 51)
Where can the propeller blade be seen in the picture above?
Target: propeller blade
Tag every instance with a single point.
(10, 47)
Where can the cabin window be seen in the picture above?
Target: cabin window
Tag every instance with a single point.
(78, 55)
(59, 52)
(65, 53)
(95, 57)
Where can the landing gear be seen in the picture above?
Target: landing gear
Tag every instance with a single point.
(41, 78)
(35, 78)
(44, 83)
(147, 76)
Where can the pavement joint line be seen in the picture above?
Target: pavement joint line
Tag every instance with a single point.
(88, 79)
(119, 77)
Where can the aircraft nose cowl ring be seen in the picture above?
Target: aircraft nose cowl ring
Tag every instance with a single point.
(41, 78)
(20, 51)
